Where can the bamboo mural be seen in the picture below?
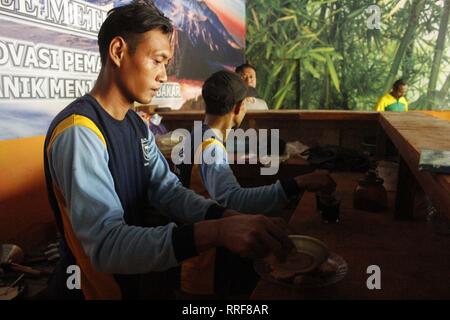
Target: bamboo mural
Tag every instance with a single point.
(313, 54)
(439, 51)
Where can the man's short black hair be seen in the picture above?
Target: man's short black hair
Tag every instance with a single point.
(222, 91)
(242, 67)
(398, 84)
(129, 22)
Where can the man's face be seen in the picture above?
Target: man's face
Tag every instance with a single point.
(249, 76)
(401, 91)
(143, 71)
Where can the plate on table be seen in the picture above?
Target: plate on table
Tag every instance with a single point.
(310, 253)
(330, 272)
(311, 266)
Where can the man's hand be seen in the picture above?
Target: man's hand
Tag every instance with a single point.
(319, 180)
(254, 236)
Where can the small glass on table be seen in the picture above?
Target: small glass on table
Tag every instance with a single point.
(328, 206)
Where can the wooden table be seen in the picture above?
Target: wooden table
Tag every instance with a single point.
(414, 261)
(410, 133)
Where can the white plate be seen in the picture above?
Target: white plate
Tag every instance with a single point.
(306, 280)
(315, 252)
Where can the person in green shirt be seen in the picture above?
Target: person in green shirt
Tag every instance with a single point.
(394, 100)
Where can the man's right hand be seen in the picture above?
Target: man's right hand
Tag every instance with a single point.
(254, 236)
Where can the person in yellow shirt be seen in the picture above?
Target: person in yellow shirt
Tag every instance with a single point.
(394, 100)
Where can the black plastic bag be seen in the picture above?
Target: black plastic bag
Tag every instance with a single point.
(331, 157)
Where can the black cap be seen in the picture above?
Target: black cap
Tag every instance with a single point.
(222, 90)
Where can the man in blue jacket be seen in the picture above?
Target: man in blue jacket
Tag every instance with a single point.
(209, 173)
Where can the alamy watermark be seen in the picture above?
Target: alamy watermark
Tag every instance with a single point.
(374, 280)
(374, 20)
(74, 279)
(251, 142)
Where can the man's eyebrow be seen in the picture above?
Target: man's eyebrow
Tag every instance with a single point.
(162, 54)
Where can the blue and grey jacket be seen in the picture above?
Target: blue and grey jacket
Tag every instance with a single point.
(103, 177)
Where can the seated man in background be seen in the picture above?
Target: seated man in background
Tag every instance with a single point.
(248, 74)
(394, 100)
(225, 95)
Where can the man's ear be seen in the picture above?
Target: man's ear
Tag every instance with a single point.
(117, 49)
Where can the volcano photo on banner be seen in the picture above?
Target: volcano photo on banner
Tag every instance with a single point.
(49, 55)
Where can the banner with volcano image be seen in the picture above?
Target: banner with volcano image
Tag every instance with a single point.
(49, 54)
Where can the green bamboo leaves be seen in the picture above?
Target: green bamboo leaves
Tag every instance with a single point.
(316, 54)
(333, 73)
(281, 34)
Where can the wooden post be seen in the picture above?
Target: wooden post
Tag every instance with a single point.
(406, 192)
(380, 152)
(299, 84)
